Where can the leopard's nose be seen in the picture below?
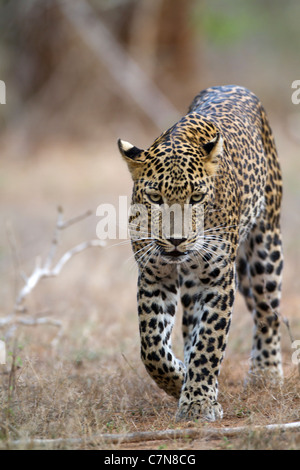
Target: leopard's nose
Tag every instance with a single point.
(177, 241)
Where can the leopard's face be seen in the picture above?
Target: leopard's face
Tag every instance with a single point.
(174, 187)
(174, 212)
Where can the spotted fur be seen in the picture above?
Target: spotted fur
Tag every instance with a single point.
(222, 156)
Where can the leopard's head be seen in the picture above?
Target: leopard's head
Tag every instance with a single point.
(174, 187)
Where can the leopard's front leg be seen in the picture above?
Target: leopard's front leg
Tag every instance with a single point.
(212, 315)
(157, 302)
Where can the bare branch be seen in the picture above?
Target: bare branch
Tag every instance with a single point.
(55, 239)
(74, 251)
(44, 270)
(29, 321)
(189, 433)
(12, 323)
(74, 220)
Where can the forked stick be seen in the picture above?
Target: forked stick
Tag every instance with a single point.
(42, 270)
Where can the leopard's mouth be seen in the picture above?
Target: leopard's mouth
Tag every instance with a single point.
(174, 255)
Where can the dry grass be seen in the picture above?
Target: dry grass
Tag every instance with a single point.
(53, 398)
(94, 382)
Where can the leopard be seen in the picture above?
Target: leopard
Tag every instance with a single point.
(221, 157)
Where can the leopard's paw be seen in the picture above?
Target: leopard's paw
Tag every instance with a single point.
(206, 410)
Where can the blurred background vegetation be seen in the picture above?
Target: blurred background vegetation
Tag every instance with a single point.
(69, 65)
(81, 73)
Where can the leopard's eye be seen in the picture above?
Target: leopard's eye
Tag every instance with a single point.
(155, 198)
(196, 198)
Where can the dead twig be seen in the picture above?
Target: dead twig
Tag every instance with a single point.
(45, 269)
(189, 433)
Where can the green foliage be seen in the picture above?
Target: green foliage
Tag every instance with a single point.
(225, 23)
(224, 29)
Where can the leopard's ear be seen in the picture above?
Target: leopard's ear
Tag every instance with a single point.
(129, 152)
(214, 148)
(212, 151)
(132, 155)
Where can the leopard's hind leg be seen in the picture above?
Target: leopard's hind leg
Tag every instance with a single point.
(259, 267)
